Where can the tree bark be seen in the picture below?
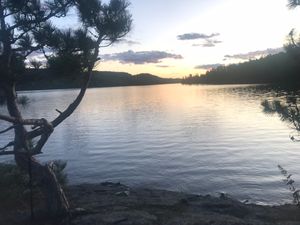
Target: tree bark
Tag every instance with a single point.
(56, 200)
(57, 204)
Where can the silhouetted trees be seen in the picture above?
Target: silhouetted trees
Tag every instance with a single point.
(26, 28)
(288, 110)
(44, 78)
(279, 68)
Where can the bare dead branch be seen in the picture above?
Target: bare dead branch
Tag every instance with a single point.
(60, 112)
(6, 146)
(40, 144)
(7, 153)
(107, 45)
(44, 53)
(7, 129)
(36, 122)
(8, 118)
(34, 133)
(71, 108)
(94, 35)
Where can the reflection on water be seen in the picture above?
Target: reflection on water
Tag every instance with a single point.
(200, 139)
(288, 110)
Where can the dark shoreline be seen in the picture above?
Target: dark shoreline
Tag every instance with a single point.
(44, 79)
(77, 88)
(114, 203)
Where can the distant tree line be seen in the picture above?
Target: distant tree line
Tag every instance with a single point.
(45, 78)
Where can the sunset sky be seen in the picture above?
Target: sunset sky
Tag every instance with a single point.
(173, 38)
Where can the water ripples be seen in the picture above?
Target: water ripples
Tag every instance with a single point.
(200, 139)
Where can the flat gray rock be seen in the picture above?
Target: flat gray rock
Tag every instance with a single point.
(110, 203)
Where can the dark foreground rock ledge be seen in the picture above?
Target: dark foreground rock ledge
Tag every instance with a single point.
(110, 204)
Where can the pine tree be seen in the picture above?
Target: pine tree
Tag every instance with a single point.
(27, 27)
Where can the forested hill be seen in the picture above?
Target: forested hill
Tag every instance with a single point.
(279, 68)
(41, 79)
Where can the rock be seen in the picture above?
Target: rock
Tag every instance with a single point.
(79, 211)
(110, 184)
(114, 204)
(122, 193)
(133, 217)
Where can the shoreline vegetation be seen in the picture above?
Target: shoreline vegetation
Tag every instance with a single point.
(281, 68)
(114, 203)
(44, 79)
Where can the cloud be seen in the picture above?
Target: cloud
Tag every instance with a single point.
(142, 57)
(216, 41)
(208, 43)
(194, 36)
(208, 66)
(39, 56)
(129, 42)
(163, 66)
(255, 54)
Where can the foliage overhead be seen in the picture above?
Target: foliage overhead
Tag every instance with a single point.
(293, 3)
(27, 28)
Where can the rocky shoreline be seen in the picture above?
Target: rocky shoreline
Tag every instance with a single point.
(117, 204)
(110, 203)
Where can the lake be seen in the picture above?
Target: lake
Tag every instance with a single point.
(199, 139)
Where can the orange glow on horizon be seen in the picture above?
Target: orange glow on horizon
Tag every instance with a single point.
(172, 71)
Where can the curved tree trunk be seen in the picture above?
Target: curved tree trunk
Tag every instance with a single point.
(57, 204)
(56, 201)
(44, 175)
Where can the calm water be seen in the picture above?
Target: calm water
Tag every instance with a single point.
(200, 139)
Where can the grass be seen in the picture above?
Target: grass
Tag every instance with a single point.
(14, 186)
(291, 184)
(22, 100)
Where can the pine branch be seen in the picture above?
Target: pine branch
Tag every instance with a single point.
(293, 4)
(35, 21)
